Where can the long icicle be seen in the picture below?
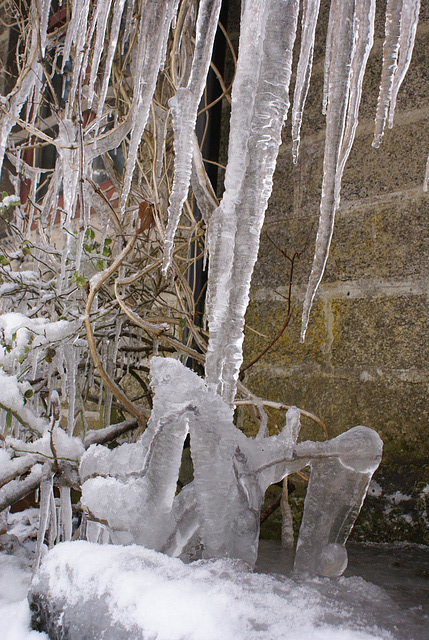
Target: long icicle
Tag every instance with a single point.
(156, 17)
(184, 108)
(409, 21)
(310, 13)
(343, 44)
(260, 103)
(390, 65)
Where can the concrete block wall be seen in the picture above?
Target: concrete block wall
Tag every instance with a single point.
(365, 359)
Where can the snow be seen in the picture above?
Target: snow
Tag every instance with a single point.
(12, 398)
(146, 594)
(9, 201)
(142, 593)
(15, 577)
(15, 615)
(19, 332)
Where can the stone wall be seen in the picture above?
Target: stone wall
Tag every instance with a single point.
(365, 359)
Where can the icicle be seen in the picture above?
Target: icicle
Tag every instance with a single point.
(53, 521)
(79, 16)
(310, 12)
(30, 77)
(364, 34)
(333, 17)
(426, 180)
(401, 25)
(66, 513)
(351, 43)
(118, 9)
(129, 19)
(156, 18)
(259, 106)
(71, 367)
(68, 154)
(102, 10)
(110, 368)
(184, 108)
(46, 488)
(409, 20)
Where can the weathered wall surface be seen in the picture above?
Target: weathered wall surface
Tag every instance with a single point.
(365, 359)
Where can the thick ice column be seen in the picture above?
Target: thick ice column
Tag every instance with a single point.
(341, 470)
(133, 487)
(260, 103)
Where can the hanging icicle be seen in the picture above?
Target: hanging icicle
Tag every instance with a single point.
(184, 108)
(260, 103)
(310, 13)
(351, 44)
(156, 17)
(401, 25)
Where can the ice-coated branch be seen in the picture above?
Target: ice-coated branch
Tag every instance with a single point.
(12, 399)
(18, 489)
(15, 468)
(101, 436)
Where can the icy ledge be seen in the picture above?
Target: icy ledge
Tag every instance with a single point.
(90, 591)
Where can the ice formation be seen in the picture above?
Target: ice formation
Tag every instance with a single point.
(184, 107)
(259, 107)
(260, 102)
(221, 506)
(131, 489)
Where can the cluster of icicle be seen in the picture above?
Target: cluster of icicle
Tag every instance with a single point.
(260, 103)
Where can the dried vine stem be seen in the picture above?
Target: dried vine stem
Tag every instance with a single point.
(141, 414)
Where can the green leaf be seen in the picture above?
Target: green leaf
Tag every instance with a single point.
(99, 265)
(182, 322)
(4, 261)
(29, 393)
(107, 251)
(4, 194)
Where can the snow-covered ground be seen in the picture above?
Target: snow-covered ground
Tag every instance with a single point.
(160, 597)
(15, 577)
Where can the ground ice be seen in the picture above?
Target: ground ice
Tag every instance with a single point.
(132, 489)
